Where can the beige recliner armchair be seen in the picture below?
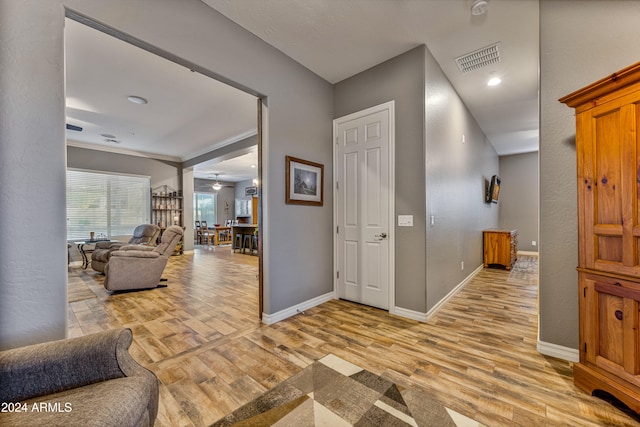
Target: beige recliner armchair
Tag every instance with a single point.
(145, 234)
(141, 267)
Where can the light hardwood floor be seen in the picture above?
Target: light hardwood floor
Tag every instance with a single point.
(202, 337)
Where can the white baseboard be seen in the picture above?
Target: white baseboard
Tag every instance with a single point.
(453, 292)
(270, 319)
(532, 253)
(409, 314)
(558, 351)
(423, 317)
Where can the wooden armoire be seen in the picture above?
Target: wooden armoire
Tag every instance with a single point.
(608, 165)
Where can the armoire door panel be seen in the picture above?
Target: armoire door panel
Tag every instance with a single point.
(611, 333)
(615, 333)
(607, 160)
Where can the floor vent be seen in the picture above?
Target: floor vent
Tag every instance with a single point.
(479, 58)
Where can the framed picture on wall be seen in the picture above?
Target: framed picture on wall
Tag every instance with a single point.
(304, 182)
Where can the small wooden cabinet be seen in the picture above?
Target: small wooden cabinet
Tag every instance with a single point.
(500, 247)
(608, 166)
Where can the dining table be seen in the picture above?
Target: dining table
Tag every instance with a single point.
(221, 235)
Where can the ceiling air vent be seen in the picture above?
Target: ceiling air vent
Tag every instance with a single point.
(479, 58)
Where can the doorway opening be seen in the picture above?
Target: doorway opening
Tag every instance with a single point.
(159, 129)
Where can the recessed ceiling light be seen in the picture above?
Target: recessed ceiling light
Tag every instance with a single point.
(494, 81)
(253, 166)
(137, 99)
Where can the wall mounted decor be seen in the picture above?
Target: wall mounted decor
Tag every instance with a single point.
(304, 181)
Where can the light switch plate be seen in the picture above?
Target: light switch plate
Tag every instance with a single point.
(405, 220)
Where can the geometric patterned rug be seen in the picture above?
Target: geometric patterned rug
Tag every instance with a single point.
(334, 392)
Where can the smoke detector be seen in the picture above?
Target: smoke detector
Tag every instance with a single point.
(479, 7)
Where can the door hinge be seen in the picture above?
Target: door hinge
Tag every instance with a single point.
(337, 274)
(337, 229)
(584, 292)
(585, 347)
(337, 185)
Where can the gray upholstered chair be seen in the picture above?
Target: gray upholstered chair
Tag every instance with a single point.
(141, 267)
(86, 381)
(145, 234)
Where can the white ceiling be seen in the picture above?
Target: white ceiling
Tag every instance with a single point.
(339, 38)
(240, 166)
(189, 114)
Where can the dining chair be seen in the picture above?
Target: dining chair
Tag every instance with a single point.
(198, 231)
(204, 232)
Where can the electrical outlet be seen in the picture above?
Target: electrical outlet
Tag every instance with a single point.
(533, 243)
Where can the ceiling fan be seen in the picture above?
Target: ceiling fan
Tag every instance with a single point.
(217, 186)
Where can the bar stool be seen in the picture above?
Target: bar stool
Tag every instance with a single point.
(254, 243)
(247, 243)
(238, 242)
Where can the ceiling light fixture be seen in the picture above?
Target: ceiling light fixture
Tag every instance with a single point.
(217, 186)
(479, 7)
(137, 99)
(495, 81)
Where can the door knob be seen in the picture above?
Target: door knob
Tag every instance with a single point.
(381, 236)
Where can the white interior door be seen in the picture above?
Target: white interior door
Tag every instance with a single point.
(364, 198)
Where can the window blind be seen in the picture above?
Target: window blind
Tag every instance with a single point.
(107, 204)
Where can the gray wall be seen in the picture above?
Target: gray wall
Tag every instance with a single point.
(240, 195)
(519, 199)
(456, 174)
(580, 42)
(400, 79)
(33, 295)
(162, 172)
(428, 259)
(240, 187)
